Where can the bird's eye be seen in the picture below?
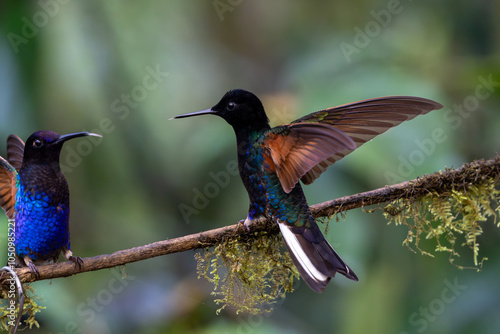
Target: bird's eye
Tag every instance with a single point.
(37, 143)
(230, 106)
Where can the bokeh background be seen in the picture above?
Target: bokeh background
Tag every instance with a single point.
(123, 68)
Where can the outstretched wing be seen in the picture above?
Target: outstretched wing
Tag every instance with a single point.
(8, 178)
(292, 150)
(362, 121)
(15, 151)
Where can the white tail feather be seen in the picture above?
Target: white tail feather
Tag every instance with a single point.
(300, 255)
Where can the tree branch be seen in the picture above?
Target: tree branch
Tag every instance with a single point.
(439, 183)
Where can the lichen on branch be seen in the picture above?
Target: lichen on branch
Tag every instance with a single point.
(248, 273)
(451, 217)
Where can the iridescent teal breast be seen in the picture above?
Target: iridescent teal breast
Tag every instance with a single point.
(267, 197)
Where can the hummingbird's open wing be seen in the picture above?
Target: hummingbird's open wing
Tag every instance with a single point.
(15, 151)
(8, 174)
(8, 178)
(363, 120)
(292, 150)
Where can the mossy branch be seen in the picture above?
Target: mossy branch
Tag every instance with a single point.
(439, 183)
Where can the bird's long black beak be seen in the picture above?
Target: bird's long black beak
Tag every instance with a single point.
(69, 136)
(196, 113)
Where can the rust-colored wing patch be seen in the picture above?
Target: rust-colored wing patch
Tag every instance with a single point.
(292, 150)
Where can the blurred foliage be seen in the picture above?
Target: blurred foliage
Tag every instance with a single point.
(123, 68)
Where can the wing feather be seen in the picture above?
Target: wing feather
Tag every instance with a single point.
(308, 146)
(8, 178)
(8, 174)
(364, 120)
(15, 151)
(295, 149)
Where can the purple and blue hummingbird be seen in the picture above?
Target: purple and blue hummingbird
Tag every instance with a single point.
(34, 194)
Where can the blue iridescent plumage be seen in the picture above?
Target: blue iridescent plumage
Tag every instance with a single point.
(41, 229)
(272, 161)
(35, 196)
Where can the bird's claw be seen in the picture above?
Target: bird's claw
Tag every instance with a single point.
(77, 261)
(34, 270)
(247, 222)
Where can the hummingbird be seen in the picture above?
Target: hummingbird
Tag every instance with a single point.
(35, 197)
(271, 162)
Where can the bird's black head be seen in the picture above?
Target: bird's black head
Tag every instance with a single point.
(241, 109)
(44, 147)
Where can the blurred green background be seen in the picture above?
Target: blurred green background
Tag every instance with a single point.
(123, 68)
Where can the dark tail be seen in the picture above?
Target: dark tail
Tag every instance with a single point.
(316, 261)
